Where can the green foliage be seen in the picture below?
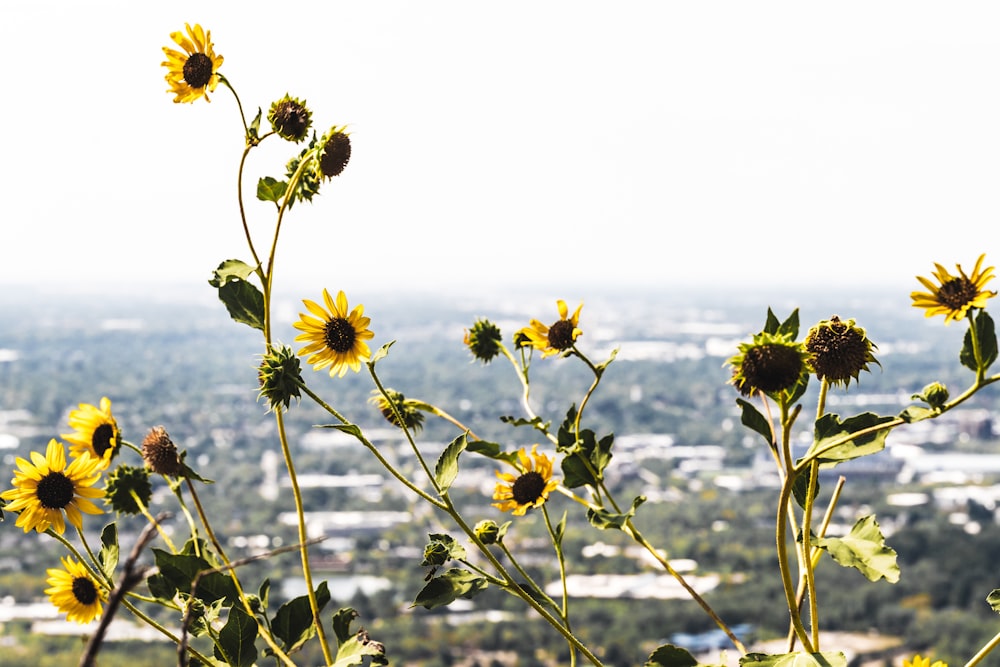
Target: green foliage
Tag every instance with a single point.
(603, 519)
(243, 300)
(354, 648)
(107, 557)
(293, 625)
(836, 441)
(186, 573)
(236, 639)
(446, 469)
(669, 655)
(825, 659)
(863, 549)
(586, 457)
(986, 340)
(270, 189)
(446, 588)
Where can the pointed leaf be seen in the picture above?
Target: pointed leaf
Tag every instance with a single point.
(109, 554)
(230, 269)
(244, 302)
(446, 469)
(669, 655)
(863, 549)
(353, 647)
(236, 639)
(829, 429)
(177, 573)
(293, 624)
(994, 600)
(491, 450)
(752, 419)
(825, 659)
(270, 189)
(603, 519)
(987, 338)
(445, 589)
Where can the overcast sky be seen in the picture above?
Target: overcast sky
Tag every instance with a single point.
(663, 144)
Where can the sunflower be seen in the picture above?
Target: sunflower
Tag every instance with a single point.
(73, 591)
(919, 661)
(529, 489)
(195, 72)
(95, 432)
(771, 363)
(556, 338)
(953, 296)
(337, 338)
(45, 487)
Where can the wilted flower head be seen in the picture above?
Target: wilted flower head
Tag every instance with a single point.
(838, 350)
(483, 340)
(122, 483)
(335, 152)
(280, 376)
(412, 417)
(954, 296)
(290, 118)
(160, 453)
(771, 363)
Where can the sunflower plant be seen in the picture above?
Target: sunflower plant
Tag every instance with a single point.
(219, 617)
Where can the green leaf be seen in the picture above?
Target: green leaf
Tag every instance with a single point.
(353, 647)
(586, 457)
(800, 489)
(441, 549)
(236, 639)
(177, 573)
(863, 549)
(987, 337)
(230, 269)
(915, 413)
(349, 429)
(536, 422)
(270, 189)
(603, 519)
(445, 589)
(381, 353)
(669, 655)
(557, 533)
(491, 450)
(994, 600)
(254, 129)
(244, 302)
(752, 419)
(446, 469)
(604, 364)
(293, 624)
(825, 659)
(108, 556)
(830, 429)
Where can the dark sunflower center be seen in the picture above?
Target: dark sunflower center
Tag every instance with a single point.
(838, 351)
(771, 367)
(561, 335)
(528, 488)
(291, 119)
(336, 154)
(198, 70)
(102, 439)
(957, 293)
(339, 335)
(55, 491)
(84, 590)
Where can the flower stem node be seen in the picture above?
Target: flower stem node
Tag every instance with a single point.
(483, 340)
(839, 351)
(280, 377)
(290, 118)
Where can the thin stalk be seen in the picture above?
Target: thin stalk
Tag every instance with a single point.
(984, 651)
(561, 557)
(781, 537)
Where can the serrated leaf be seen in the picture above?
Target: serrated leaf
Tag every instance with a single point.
(669, 655)
(986, 335)
(177, 573)
(446, 469)
(109, 554)
(829, 429)
(863, 549)
(448, 587)
(752, 419)
(236, 639)
(244, 302)
(293, 623)
(353, 647)
(824, 659)
(521, 421)
(491, 450)
(271, 189)
(603, 519)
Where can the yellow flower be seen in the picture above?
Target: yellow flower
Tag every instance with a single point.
(556, 338)
(45, 487)
(953, 296)
(337, 338)
(923, 662)
(529, 489)
(95, 432)
(195, 72)
(73, 591)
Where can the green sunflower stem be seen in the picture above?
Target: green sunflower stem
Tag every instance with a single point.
(781, 538)
(522, 374)
(984, 651)
(561, 557)
(527, 577)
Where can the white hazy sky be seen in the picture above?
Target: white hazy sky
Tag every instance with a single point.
(583, 143)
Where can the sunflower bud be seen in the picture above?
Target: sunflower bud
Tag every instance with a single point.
(160, 453)
(436, 554)
(839, 351)
(306, 186)
(488, 532)
(280, 376)
(935, 394)
(483, 340)
(411, 416)
(335, 152)
(122, 483)
(290, 118)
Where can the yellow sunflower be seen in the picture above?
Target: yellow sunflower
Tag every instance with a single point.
(45, 487)
(73, 591)
(919, 661)
(95, 432)
(556, 338)
(530, 488)
(335, 337)
(953, 296)
(194, 72)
